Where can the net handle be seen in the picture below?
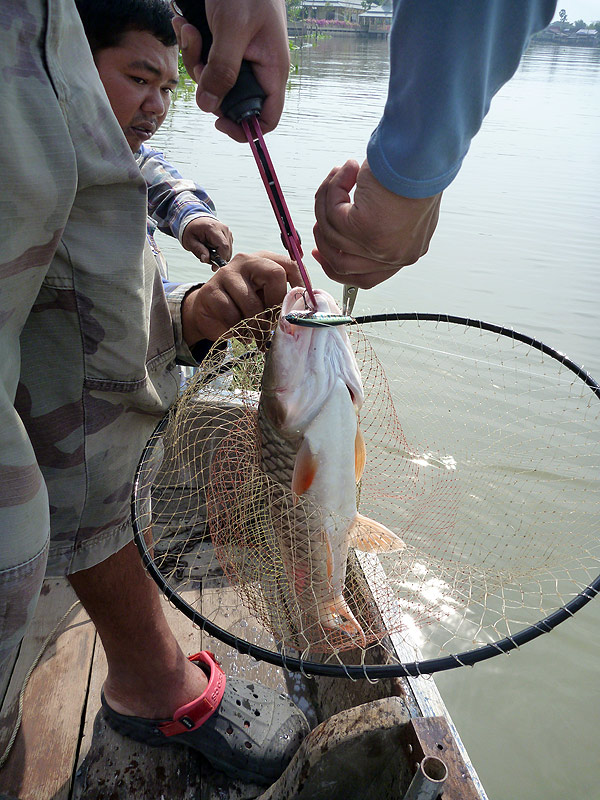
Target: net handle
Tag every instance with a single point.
(372, 671)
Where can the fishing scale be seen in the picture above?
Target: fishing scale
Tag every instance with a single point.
(243, 105)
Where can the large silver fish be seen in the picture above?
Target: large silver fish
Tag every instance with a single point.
(312, 445)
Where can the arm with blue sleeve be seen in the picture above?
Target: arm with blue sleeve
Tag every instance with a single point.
(447, 61)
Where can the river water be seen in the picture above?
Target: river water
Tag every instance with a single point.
(518, 244)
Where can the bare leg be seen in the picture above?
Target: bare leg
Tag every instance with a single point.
(148, 674)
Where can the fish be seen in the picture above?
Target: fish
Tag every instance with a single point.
(312, 447)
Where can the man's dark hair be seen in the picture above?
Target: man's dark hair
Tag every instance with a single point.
(107, 21)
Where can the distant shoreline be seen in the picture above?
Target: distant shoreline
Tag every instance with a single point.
(307, 29)
(567, 39)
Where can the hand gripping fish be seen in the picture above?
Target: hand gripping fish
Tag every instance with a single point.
(311, 444)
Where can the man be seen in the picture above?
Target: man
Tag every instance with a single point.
(98, 346)
(176, 206)
(447, 62)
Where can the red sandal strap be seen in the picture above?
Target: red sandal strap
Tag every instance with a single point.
(192, 715)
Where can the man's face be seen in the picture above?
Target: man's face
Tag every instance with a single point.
(139, 77)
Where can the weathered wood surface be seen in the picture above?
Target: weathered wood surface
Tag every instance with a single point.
(44, 755)
(6, 674)
(432, 736)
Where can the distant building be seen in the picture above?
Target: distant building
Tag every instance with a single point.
(588, 37)
(562, 33)
(342, 10)
(377, 20)
(554, 30)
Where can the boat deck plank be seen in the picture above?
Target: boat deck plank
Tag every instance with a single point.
(65, 751)
(44, 755)
(6, 676)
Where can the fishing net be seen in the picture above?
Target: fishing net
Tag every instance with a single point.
(483, 453)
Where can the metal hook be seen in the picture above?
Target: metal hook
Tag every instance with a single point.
(348, 300)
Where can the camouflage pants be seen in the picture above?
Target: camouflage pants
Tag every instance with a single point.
(87, 352)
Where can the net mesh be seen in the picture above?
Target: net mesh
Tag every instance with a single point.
(482, 455)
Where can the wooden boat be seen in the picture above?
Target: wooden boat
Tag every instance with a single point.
(368, 740)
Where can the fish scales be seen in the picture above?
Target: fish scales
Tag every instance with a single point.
(300, 526)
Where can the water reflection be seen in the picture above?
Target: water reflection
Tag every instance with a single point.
(550, 61)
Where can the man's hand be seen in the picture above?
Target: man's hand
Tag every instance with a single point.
(242, 289)
(364, 241)
(204, 232)
(252, 29)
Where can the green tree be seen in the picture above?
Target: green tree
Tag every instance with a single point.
(293, 8)
(578, 25)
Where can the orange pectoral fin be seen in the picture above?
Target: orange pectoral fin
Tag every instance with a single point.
(360, 454)
(305, 469)
(372, 537)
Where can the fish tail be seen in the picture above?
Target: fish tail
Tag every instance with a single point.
(372, 537)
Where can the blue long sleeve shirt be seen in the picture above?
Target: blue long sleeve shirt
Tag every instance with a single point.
(447, 60)
(173, 201)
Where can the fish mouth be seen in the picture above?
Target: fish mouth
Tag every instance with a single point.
(296, 311)
(296, 301)
(285, 326)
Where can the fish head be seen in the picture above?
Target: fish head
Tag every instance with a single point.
(303, 364)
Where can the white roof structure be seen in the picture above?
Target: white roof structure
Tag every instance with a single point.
(385, 11)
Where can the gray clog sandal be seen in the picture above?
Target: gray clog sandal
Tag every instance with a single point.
(244, 729)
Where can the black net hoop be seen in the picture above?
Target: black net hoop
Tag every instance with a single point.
(143, 511)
